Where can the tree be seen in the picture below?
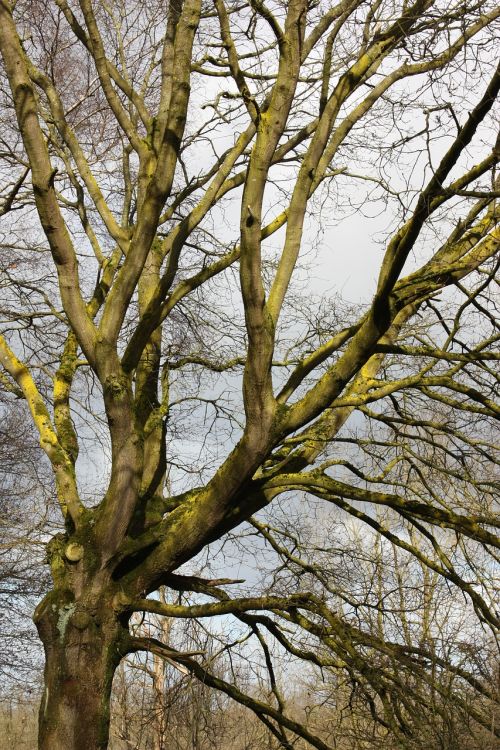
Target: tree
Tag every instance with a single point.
(160, 149)
(24, 511)
(24, 520)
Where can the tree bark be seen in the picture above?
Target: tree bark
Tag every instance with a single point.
(82, 645)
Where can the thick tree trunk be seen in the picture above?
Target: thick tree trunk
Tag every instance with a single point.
(82, 650)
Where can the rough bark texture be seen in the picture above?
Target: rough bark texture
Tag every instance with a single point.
(82, 649)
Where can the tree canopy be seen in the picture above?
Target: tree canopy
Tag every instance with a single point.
(179, 184)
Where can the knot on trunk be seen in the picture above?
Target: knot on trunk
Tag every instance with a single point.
(74, 552)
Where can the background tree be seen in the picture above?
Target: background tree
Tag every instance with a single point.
(173, 156)
(26, 513)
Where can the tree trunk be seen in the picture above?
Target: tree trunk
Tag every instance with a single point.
(82, 650)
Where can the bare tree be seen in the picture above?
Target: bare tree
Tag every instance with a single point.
(24, 526)
(24, 523)
(159, 168)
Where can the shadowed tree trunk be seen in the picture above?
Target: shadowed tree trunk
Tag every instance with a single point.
(83, 643)
(78, 675)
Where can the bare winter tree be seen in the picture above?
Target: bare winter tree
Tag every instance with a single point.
(163, 169)
(24, 522)
(25, 489)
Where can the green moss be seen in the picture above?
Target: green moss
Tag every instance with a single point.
(55, 558)
(85, 538)
(41, 409)
(117, 387)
